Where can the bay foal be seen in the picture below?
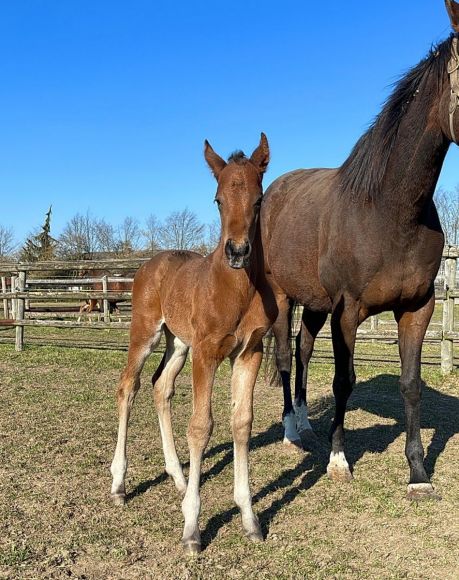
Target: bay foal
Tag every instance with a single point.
(220, 306)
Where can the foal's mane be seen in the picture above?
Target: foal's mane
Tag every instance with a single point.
(363, 172)
(238, 157)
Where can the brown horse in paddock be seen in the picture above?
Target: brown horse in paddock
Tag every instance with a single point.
(363, 239)
(220, 306)
(92, 304)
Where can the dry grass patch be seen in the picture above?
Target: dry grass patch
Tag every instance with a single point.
(57, 436)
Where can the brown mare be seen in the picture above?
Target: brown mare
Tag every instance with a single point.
(220, 306)
(366, 238)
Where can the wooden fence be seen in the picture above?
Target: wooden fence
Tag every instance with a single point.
(31, 292)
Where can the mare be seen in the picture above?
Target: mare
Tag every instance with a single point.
(362, 239)
(221, 306)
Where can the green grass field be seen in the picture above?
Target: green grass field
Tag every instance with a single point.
(57, 435)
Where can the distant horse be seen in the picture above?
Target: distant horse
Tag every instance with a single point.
(363, 239)
(92, 304)
(221, 306)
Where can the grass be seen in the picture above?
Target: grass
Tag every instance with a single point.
(57, 436)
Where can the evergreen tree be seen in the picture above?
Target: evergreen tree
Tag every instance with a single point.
(40, 247)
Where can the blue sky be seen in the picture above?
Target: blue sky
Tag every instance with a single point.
(105, 105)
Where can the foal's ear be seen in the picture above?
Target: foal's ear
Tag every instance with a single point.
(260, 157)
(453, 10)
(214, 161)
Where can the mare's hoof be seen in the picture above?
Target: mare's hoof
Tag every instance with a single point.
(339, 474)
(422, 491)
(118, 498)
(191, 547)
(294, 446)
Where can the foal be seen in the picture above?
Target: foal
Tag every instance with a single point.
(220, 306)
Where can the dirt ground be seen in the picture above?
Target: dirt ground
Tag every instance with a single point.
(57, 436)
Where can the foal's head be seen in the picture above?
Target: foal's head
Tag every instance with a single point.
(238, 197)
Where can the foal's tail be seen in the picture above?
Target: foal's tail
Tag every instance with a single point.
(270, 369)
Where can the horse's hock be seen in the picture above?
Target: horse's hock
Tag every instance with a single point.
(31, 297)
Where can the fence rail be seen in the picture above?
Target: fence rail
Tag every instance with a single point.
(31, 299)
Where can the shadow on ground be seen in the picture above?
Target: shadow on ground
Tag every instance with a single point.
(379, 396)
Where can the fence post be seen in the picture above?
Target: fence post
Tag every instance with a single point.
(447, 344)
(106, 304)
(5, 300)
(13, 300)
(20, 304)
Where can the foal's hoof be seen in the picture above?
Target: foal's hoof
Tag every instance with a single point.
(422, 491)
(118, 498)
(192, 548)
(255, 536)
(295, 446)
(339, 474)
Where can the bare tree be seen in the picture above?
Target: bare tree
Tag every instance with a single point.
(79, 237)
(129, 235)
(447, 203)
(181, 231)
(106, 238)
(150, 233)
(7, 243)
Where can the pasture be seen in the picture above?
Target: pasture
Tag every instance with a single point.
(57, 436)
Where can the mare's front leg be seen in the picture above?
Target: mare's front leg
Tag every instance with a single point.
(311, 325)
(199, 432)
(245, 371)
(283, 352)
(412, 327)
(344, 324)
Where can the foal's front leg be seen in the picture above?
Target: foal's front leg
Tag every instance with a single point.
(199, 432)
(245, 370)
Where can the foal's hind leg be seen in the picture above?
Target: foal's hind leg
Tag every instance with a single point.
(311, 324)
(163, 382)
(281, 330)
(411, 329)
(344, 329)
(141, 345)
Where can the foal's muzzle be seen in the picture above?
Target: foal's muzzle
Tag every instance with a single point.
(238, 254)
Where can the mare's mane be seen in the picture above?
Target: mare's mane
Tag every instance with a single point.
(363, 172)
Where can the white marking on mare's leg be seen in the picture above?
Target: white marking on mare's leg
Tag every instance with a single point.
(301, 413)
(338, 467)
(291, 435)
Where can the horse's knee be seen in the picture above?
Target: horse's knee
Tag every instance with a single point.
(199, 432)
(411, 390)
(242, 426)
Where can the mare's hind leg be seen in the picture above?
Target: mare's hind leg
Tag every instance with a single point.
(412, 327)
(281, 330)
(344, 324)
(163, 383)
(311, 324)
(143, 341)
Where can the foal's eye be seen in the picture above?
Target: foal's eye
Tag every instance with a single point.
(219, 203)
